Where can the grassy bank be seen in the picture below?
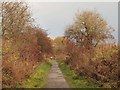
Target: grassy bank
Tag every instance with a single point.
(38, 77)
(73, 80)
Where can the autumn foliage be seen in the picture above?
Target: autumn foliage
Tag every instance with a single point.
(85, 45)
(25, 46)
(88, 52)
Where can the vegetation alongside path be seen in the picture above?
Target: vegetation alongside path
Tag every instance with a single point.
(38, 78)
(87, 46)
(73, 80)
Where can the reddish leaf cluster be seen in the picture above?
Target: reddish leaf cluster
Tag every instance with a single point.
(103, 69)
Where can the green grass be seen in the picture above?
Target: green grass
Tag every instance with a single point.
(38, 78)
(73, 80)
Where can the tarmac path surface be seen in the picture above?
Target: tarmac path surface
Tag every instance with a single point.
(55, 77)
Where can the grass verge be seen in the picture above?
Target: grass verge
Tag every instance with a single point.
(38, 78)
(73, 80)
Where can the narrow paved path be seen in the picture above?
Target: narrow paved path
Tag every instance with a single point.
(56, 78)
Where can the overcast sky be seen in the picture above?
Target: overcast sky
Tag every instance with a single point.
(55, 16)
